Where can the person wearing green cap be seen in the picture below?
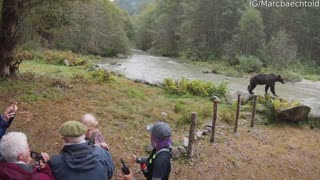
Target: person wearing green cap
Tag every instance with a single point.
(78, 159)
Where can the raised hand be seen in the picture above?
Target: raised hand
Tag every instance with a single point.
(11, 111)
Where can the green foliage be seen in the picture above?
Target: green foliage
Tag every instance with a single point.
(199, 55)
(58, 57)
(251, 32)
(96, 27)
(21, 55)
(249, 64)
(134, 93)
(290, 75)
(103, 76)
(227, 113)
(280, 51)
(305, 70)
(283, 104)
(184, 110)
(195, 87)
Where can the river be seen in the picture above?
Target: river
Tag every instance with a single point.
(141, 65)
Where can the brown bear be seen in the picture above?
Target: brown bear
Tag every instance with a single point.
(268, 79)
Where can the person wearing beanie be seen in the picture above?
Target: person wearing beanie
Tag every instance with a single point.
(158, 165)
(78, 159)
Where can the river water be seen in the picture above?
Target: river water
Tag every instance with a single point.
(141, 65)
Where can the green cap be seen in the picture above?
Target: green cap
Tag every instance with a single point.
(73, 129)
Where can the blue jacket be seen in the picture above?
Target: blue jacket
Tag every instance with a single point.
(4, 125)
(82, 162)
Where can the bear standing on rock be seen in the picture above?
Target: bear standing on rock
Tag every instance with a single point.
(268, 79)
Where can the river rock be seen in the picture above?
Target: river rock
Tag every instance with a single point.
(208, 129)
(199, 134)
(121, 56)
(164, 114)
(297, 113)
(185, 142)
(204, 132)
(182, 150)
(66, 62)
(142, 81)
(175, 153)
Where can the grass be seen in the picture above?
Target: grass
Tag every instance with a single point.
(49, 95)
(52, 71)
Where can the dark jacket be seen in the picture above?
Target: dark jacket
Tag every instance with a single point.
(159, 164)
(82, 162)
(4, 125)
(12, 171)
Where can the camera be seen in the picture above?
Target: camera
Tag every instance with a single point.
(36, 156)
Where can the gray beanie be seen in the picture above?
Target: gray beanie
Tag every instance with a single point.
(160, 130)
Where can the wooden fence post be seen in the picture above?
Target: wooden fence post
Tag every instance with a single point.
(214, 119)
(253, 116)
(192, 134)
(237, 115)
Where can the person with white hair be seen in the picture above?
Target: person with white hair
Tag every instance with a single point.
(79, 159)
(93, 134)
(16, 160)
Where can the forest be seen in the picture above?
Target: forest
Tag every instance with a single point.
(232, 32)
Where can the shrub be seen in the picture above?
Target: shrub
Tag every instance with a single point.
(280, 51)
(200, 54)
(291, 76)
(58, 57)
(195, 88)
(21, 55)
(103, 76)
(249, 64)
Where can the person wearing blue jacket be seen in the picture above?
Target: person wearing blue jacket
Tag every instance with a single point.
(7, 118)
(79, 159)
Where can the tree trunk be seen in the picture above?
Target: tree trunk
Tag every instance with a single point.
(11, 11)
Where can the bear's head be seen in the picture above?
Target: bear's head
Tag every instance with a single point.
(280, 79)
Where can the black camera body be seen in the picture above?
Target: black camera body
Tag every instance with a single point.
(36, 156)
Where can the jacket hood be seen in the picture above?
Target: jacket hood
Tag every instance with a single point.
(80, 157)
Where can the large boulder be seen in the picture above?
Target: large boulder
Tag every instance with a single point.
(297, 113)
